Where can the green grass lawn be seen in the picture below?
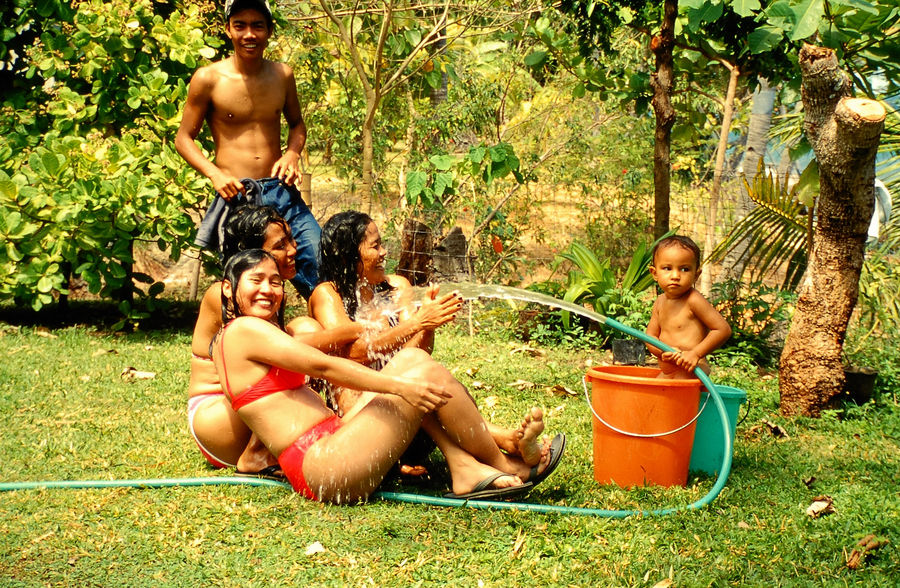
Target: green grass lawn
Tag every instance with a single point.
(67, 414)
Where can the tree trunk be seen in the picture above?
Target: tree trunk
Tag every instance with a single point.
(663, 83)
(757, 142)
(844, 133)
(712, 217)
(411, 147)
(368, 175)
(438, 95)
(416, 244)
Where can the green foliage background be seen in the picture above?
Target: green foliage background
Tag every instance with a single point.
(87, 162)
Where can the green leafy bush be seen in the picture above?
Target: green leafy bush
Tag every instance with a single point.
(759, 317)
(93, 170)
(629, 307)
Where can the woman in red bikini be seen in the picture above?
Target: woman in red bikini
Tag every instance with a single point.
(325, 457)
(223, 439)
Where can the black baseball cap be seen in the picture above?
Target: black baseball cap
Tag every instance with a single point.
(232, 6)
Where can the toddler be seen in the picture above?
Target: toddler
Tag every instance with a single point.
(681, 316)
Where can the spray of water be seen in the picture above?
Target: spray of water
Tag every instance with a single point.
(470, 291)
(376, 316)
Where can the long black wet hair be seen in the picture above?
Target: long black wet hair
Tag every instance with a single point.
(239, 263)
(246, 228)
(339, 256)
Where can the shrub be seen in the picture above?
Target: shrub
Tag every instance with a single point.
(759, 317)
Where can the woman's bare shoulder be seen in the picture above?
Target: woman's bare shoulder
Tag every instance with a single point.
(250, 328)
(324, 293)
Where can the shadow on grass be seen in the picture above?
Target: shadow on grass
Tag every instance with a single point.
(100, 315)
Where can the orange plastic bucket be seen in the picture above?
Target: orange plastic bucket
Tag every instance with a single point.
(643, 426)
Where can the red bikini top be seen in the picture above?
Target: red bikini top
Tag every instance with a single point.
(276, 380)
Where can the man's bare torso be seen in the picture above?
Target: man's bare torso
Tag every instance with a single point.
(244, 117)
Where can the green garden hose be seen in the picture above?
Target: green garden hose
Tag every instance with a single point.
(425, 499)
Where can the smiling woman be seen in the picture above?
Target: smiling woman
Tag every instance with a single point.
(343, 459)
(260, 290)
(220, 435)
(356, 290)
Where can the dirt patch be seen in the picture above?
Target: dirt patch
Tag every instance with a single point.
(557, 217)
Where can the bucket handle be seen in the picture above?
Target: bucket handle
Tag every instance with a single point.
(644, 435)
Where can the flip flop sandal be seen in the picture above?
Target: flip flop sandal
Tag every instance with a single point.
(483, 491)
(557, 448)
(272, 472)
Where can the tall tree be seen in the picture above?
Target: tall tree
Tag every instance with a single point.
(761, 110)
(663, 84)
(389, 42)
(844, 132)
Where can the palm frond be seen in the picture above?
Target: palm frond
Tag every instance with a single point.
(774, 232)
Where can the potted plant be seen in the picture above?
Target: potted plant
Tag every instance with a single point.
(859, 383)
(632, 309)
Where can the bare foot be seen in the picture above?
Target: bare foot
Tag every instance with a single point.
(530, 447)
(414, 471)
(256, 457)
(467, 478)
(506, 439)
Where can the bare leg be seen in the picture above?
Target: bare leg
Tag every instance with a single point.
(465, 471)
(461, 420)
(221, 430)
(348, 465)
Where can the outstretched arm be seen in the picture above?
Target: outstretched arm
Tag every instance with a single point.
(196, 110)
(327, 307)
(272, 346)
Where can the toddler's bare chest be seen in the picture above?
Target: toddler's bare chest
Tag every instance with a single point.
(677, 316)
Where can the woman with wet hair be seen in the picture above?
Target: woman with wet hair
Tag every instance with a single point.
(355, 288)
(326, 457)
(223, 439)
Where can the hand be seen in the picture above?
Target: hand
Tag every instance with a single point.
(286, 168)
(688, 360)
(422, 395)
(670, 356)
(226, 185)
(439, 311)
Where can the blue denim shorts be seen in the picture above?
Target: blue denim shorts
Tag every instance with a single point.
(289, 204)
(306, 231)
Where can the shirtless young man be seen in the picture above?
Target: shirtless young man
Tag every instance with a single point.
(681, 316)
(242, 98)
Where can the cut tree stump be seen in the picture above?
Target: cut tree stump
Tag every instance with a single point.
(844, 132)
(416, 243)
